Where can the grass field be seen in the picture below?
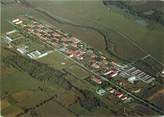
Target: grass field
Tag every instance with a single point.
(11, 111)
(78, 71)
(54, 109)
(77, 79)
(14, 81)
(19, 89)
(56, 59)
(95, 13)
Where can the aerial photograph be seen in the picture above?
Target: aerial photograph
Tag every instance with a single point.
(82, 58)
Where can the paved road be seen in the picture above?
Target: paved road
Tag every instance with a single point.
(145, 102)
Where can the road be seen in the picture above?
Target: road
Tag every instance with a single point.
(139, 99)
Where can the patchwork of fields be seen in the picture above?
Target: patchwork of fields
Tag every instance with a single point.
(96, 14)
(34, 87)
(108, 20)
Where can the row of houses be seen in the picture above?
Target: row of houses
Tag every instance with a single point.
(114, 92)
(71, 46)
(84, 54)
(74, 48)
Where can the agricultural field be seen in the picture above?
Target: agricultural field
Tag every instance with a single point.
(56, 60)
(21, 91)
(69, 57)
(109, 19)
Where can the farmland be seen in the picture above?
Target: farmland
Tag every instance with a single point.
(77, 63)
(72, 49)
(106, 18)
(109, 19)
(36, 91)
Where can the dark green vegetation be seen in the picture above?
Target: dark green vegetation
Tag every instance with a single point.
(31, 87)
(117, 26)
(49, 84)
(36, 70)
(151, 10)
(49, 88)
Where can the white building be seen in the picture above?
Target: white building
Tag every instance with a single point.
(163, 71)
(100, 91)
(23, 50)
(132, 79)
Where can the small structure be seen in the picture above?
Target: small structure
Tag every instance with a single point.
(8, 39)
(42, 55)
(108, 72)
(75, 40)
(10, 32)
(19, 22)
(112, 90)
(100, 92)
(162, 72)
(124, 98)
(95, 65)
(63, 63)
(109, 88)
(71, 55)
(137, 91)
(23, 50)
(120, 95)
(15, 20)
(34, 54)
(132, 79)
(113, 72)
(97, 80)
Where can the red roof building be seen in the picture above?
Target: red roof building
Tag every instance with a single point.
(97, 80)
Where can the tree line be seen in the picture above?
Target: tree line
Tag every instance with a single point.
(153, 15)
(42, 72)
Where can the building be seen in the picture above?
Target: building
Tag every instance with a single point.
(112, 90)
(112, 72)
(163, 71)
(95, 65)
(34, 54)
(133, 74)
(124, 98)
(8, 39)
(23, 50)
(132, 79)
(97, 80)
(100, 92)
(15, 20)
(19, 22)
(120, 95)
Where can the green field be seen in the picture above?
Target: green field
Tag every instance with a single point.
(21, 90)
(78, 71)
(96, 14)
(56, 59)
(24, 92)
